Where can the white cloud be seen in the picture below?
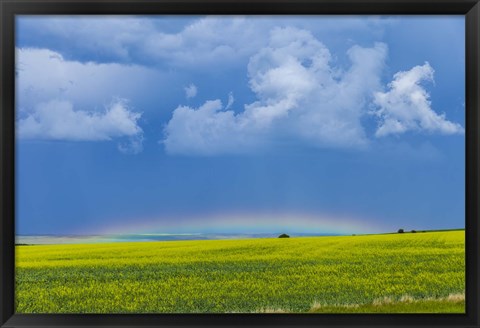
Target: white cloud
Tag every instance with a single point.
(62, 100)
(300, 96)
(230, 101)
(208, 130)
(58, 120)
(185, 42)
(200, 44)
(133, 145)
(191, 91)
(44, 75)
(406, 106)
(111, 37)
(194, 43)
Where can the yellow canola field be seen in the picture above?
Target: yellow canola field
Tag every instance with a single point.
(410, 272)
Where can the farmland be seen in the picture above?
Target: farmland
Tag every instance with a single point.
(410, 272)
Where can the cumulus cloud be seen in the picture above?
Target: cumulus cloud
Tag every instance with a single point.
(185, 42)
(59, 100)
(209, 130)
(58, 120)
(111, 38)
(44, 75)
(406, 106)
(295, 81)
(191, 91)
(199, 43)
(300, 95)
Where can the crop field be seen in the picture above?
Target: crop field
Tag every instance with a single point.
(409, 272)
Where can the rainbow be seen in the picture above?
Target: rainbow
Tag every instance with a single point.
(250, 223)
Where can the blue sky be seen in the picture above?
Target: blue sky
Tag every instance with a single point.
(319, 124)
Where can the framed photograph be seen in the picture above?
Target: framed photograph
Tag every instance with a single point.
(223, 163)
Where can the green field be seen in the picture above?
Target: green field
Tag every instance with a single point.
(410, 272)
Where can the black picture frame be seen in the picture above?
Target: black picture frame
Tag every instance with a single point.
(10, 8)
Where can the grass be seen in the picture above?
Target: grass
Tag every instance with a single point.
(453, 303)
(396, 273)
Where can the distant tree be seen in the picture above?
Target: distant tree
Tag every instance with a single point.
(413, 231)
(401, 231)
(284, 235)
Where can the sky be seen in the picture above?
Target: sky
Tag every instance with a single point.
(239, 124)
